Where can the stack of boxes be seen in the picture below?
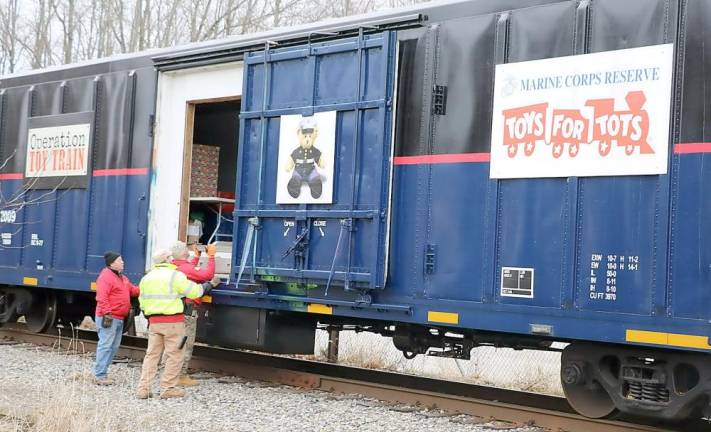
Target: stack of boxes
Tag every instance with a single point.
(203, 183)
(205, 165)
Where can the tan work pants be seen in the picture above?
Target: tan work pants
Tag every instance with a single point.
(162, 336)
(190, 332)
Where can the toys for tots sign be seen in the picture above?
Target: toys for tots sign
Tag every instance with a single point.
(596, 114)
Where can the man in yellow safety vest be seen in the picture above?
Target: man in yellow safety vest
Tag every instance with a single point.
(161, 292)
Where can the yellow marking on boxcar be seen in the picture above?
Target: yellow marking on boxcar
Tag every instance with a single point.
(649, 337)
(443, 317)
(93, 286)
(319, 309)
(670, 339)
(30, 281)
(689, 341)
(207, 299)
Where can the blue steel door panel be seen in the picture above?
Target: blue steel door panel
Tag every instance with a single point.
(458, 231)
(619, 253)
(406, 275)
(10, 225)
(690, 250)
(38, 235)
(534, 215)
(532, 233)
(289, 79)
(73, 255)
(332, 71)
(303, 80)
(105, 206)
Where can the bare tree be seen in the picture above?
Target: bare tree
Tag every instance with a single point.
(9, 43)
(66, 14)
(39, 42)
(40, 33)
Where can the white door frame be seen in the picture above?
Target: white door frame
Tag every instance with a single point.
(176, 91)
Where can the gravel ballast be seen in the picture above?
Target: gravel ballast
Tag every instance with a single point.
(44, 389)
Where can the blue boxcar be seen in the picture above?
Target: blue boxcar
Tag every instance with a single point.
(414, 241)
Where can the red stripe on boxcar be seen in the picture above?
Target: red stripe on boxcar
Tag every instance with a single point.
(442, 158)
(686, 148)
(11, 176)
(120, 172)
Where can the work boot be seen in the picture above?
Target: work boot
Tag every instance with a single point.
(143, 394)
(187, 381)
(103, 381)
(172, 393)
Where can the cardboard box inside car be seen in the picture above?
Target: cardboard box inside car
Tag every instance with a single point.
(223, 257)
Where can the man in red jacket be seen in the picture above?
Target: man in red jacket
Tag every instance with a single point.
(113, 303)
(198, 275)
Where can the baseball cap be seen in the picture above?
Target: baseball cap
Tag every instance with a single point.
(161, 256)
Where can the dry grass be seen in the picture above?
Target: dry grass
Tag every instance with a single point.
(63, 407)
(68, 403)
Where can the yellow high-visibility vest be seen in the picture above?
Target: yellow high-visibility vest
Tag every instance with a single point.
(162, 289)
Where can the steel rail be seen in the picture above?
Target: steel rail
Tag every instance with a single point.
(486, 403)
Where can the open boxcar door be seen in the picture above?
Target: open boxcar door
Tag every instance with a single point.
(314, 168)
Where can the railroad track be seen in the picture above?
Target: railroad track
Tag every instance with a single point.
(488, 403)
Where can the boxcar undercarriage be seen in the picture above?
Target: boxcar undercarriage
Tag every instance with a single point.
(599, 380)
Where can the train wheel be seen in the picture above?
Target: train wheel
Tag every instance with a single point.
(8, 311)
(587, 398)
(42, 314)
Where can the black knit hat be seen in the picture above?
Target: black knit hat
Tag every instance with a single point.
(110, 257)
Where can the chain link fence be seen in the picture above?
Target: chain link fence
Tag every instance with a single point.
(525, 370)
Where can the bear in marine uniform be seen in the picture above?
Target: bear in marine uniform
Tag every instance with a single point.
(304, 159)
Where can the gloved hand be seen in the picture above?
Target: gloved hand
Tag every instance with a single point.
(211, 250)
(206, 288)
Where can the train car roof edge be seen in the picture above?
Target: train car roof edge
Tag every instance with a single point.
(226, 49)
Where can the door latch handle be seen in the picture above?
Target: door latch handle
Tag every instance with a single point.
(298, 246)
